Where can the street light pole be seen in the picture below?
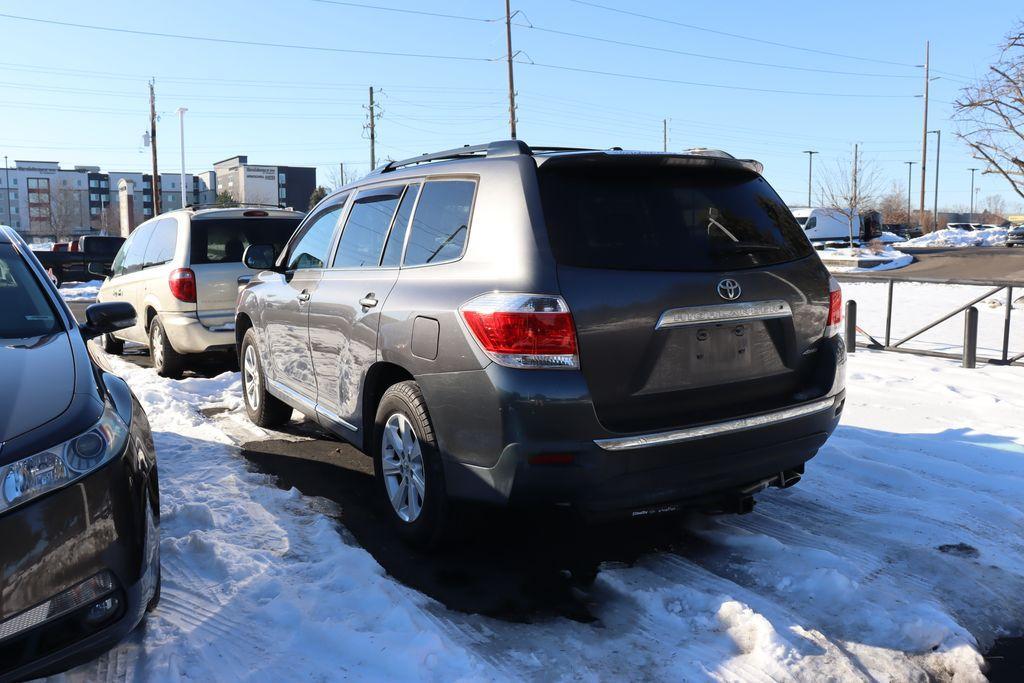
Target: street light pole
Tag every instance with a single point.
(810, 164)
(181, 128)
(938, 150)
(910, 177)
(972, 170)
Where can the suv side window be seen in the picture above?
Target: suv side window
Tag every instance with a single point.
(441, 222)
(362, 240)
(136, 254)
(162, 243)
(396, 238)
(311, 248)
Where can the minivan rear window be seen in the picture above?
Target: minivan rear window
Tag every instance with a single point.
(223, 240)
(647, 214)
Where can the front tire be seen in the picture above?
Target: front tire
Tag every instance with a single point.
(263, 409)
(166, 361)
(112, 344)
(408, 470)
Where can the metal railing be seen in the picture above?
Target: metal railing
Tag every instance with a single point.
(969, 350)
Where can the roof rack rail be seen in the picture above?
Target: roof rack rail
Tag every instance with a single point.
(500, 148)
(234, 205)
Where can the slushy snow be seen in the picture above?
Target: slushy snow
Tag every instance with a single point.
(898, 557)
(81, 291)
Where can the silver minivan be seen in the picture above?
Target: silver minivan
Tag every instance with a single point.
(181, 271)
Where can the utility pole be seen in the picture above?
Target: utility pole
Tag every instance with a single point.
(664, 135)
(155, 184)
(181, 121)
(511, 77)
(810, 157)
(972, 170)
(938, 150)
(373, 133)
(924, 133)
(910, 165)
(341, 174)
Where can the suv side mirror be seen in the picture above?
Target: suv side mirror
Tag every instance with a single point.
(259, 257)
(97, 268)
(107, 317)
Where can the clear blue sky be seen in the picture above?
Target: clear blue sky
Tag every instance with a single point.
(79, 96)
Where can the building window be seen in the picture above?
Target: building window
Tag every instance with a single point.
(146, 211)
(281, 193)
(94, 210)
(94, 197)
(78, 183)
(94, 183)
(281, 179)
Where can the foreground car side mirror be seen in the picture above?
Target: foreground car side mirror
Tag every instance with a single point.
(95, 268)
(259, 257)
(106, 318)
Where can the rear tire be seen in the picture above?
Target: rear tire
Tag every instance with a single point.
(166, 361)
(263, 409)
(112, 344)
(408, 470)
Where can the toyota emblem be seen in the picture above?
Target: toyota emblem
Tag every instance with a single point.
(729, 289)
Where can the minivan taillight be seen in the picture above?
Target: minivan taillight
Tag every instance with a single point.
(523, 330)
(182, 282)
(835, 308)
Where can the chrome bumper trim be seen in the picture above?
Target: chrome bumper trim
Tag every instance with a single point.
(625, 443)
(724, 313)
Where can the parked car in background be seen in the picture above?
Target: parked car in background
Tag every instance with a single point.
(967, 226)
(904, 230)
(70, 261)
(1015, 237)
(79, 501)
(181, 272)
(623, 333)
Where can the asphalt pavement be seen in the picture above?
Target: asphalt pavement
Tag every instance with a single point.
(966, 265)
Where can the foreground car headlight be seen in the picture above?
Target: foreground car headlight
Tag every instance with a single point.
(60, 465)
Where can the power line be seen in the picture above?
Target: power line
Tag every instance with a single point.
(424, 13)
(252, 43)
(711, 57)
(709, 85)
(739, 36)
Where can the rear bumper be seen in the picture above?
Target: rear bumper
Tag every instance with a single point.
(500, 419)
(104, 524)
(188, 334)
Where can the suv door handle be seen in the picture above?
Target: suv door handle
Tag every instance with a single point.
(368, 301)
(303, 296)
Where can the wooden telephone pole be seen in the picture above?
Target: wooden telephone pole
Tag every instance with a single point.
(373, 134)
(155, 183)
(924, 133)
(511, 79)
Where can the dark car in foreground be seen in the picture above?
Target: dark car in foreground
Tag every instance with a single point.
(79, 501)
(622, 333)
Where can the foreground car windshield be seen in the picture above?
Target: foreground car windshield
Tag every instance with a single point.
(26, 310)
(639, 215)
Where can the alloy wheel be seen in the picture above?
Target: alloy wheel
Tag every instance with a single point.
(251, 377)
(402, 466)
(156, 345)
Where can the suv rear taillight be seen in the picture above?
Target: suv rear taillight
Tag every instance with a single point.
(835, 308)
(182, 282)
(523, 330)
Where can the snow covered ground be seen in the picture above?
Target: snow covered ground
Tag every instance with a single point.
(893, 258)
(81, 291)
(898, 557)
(956, 237)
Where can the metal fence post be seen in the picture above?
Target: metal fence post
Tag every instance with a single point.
(1006, 323)
(888, 316)
(970, 337)
(851, 326)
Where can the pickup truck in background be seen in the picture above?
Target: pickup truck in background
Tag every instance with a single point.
(70, 261)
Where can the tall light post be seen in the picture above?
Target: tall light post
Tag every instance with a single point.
(181, 128)
(972, 170)
(938, 150)
(810, 164)
(910, 178)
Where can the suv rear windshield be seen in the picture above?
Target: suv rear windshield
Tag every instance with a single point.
(222, 240)
(646, 213)
(26, 306)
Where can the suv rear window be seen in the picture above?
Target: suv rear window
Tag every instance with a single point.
(648, 214)
(222, 240)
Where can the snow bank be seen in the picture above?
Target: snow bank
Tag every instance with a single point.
(81, 291)
(956, 237)
(898, 557)
(893, 259)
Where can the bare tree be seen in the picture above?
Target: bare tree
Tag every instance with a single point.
(996, 205)
(990, 114)
(66, 211)
(893, 205)
(850, 189)
(337, 179)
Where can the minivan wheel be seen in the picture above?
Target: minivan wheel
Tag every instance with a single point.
(408, 468)
(263, 409)
(166, 361)
(112, 344)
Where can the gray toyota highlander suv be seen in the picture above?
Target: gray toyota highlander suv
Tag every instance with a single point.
(619, 332)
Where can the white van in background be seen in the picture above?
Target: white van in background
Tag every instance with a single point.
(829, 225)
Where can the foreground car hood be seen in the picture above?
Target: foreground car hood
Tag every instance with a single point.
(37, 377)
